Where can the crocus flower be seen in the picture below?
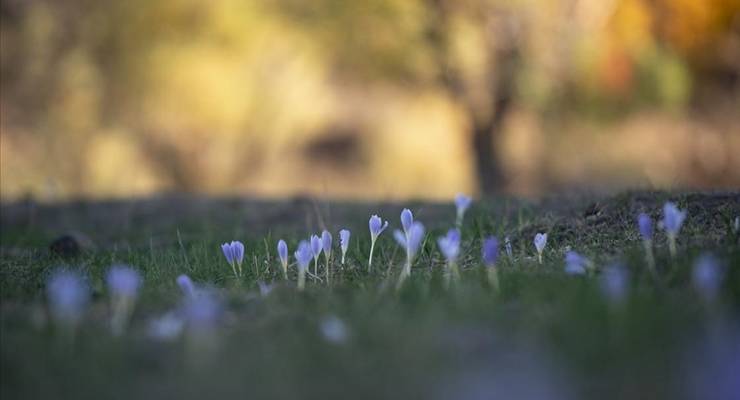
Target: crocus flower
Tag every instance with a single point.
(334, 329)
(376, 228)
(202, 312)
(672, 220)
(645, 226)
(707, 276)
(736, 225)
(462, 202)
(234, 253)
(450, 247)
(166, 327)
(575, 264)
(326, 242)
(315, 252)
(123, 283)
(411, 244)
(540, 241)
(282, 249)
(407, 219)
(303, 256)
(344, 242)
(614, 283)
(490, 251)
(186, 285)
(490, 256)
(507, 246)
(68, 295)
(265, 288)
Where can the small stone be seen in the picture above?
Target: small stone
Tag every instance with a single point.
(70, 245)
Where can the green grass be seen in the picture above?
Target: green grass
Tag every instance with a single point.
(543, 335)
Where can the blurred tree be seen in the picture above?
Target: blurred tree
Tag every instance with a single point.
(469, 49)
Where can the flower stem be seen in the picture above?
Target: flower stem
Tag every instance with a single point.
(370, 260)
(328, 273)
(405, 273)
(672, 245)
(649, 258)
(301, 278)
(233, 268)
(455, 272)
(493, 278)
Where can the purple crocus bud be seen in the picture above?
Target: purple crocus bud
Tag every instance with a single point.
(202, 312)
(614, 283)
(400, 238)
(407, 219)
(237, 249)
(672, 218)
(123, 281)
(68, 296)
(334, 330)
(490, 251)
(411, 243)
(416, 236)
(507, 246)
(344, 235)
(234, 253)
(186, 285)
(540, 241)
(316, 246)
(228, 253)
(575, 264)
(282, 249)
(707, 276)
(303, 255)
(645, 226)
(166, 327)
(450, 245)
(326, 242)
(376, 227)
(462, 202)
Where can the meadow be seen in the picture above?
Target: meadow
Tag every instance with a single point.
(599, 322)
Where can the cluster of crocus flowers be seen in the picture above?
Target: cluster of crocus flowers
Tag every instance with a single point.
(410, 239)
(377, 227)
(303, 256)
(344, 235)
(462, 203)
(490, 252)
(123, 284)
(449, 245)
(673, 218)
(282, 250)
(540, 241)
(234, 253)
(68, 295)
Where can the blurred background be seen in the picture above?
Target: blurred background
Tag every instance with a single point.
(366, 99)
